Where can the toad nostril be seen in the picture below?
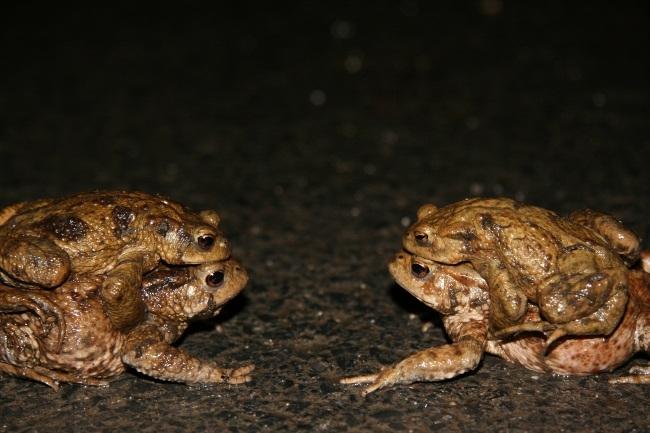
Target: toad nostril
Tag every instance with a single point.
(419, 270)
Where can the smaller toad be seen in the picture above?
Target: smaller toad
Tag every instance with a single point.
(571, 268)
(460, 295)
(93, 350)
(115, 233)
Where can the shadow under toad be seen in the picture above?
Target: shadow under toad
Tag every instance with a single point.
(228, 311)
(412, 305)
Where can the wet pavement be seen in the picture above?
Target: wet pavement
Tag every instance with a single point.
(316, 131)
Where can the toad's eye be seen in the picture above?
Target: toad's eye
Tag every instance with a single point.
(214, 279)
(205, 242)
(421, 238)
(420, 271)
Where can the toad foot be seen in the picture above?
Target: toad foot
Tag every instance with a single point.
(639, 374)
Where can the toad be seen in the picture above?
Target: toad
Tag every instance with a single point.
(572, 268)
(93, 350)
(120, 234)
(461, 296)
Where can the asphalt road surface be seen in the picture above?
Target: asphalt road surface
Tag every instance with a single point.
(316, 131)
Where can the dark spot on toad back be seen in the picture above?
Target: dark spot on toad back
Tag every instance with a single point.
(65, 227)
(466, 236)
(487, 222)
(122, 217)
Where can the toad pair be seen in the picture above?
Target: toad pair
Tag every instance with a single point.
(573, 269)
(495, 268)
(76, 305)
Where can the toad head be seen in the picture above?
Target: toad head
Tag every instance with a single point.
(441, 287)
(442, 235)
(192, 239)
(193, 292)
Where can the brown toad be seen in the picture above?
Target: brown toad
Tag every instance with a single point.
(120, 234)
(461, 296)
(570, 267)
(93, 351)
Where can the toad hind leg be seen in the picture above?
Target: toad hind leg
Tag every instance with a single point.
(601, 322)
(51, 378)
(16, 301)
(29, 373)
(586, 305)
(622, 240)
(433, 364)
(34, 260)
(121, 294)
(146, 352)
(639, 374)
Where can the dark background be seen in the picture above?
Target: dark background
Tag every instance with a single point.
(316, 130)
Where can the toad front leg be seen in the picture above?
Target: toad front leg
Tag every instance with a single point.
(121, 294)
(34, 261)
(508, 303)
(436, 363)
(147, 352)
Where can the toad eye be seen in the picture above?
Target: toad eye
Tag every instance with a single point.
(421, 238)
(419, 271)
(214, 279)
(205, 242)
